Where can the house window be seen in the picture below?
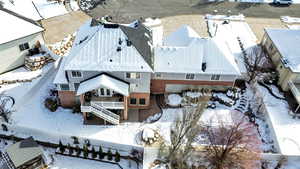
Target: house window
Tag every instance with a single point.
(24, 46)
(133, 75)
(133, 101)
(190, 76)
(76, 74)
(215, 77)
(64, 87)
(158, 75)
(142, 101)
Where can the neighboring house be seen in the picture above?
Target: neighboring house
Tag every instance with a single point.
(113, 68)
(283, 47)
(18, 34)
(25, 154)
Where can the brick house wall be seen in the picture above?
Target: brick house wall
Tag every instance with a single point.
(67, 98)
(139, 96)
(159, 86)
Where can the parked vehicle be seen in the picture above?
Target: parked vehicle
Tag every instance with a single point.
(283, 2)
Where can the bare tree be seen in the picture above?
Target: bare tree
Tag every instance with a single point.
(6, 103)
(232, 146)
(254, 59)
(183, 134)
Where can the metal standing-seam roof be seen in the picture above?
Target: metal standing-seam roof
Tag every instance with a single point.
(107, 50)
(189, 56)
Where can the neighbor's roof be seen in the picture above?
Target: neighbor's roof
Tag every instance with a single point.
(23, 7)
(104, 81)
(181, 37)
(287, 41)
(23, 151)
(189, 56)
(14, 27)
(100, 53)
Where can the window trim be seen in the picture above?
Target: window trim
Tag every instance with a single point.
(76, 72)
(190, 75)
(215, 77)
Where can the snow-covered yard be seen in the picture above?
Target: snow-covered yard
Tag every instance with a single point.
(284, 125)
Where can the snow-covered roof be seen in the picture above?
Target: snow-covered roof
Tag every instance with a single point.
(14, 27)
(103, 81)
(189, 56)
(287, 42)
(181, 37)
(104, 52)
(84, 31)
(22, 7)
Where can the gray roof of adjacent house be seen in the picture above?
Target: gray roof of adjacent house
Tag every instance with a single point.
(287, 41)
(23, 151)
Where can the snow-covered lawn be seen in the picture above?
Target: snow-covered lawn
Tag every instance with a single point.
(21, 91)
(284, 125)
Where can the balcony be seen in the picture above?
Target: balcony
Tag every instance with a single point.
(113, 102)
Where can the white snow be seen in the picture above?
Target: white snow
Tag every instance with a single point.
(230, 32)
(283, 124)
(148, 133)
(49, 9)
(239, 17)
(294, 27)
(23, 7)
(174, 99)
(14, 28)
(288, 19)
(74, 5)
(106, 82)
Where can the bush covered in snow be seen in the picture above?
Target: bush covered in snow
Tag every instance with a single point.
(149, 136)
(174, 100)
(51, 104)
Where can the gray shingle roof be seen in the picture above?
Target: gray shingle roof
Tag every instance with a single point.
(23, 151)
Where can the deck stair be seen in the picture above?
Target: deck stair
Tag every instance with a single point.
(103, 113)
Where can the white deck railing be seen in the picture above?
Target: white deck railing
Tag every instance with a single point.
(295, 91)
(109, 104)
(101, 112)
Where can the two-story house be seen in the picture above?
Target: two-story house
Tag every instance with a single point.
(113, 68)
(17, 35)
(283, 47)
